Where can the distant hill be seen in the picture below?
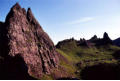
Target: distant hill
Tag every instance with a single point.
(83, 54)
(117, 42)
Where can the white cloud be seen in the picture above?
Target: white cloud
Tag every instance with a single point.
(82, 20)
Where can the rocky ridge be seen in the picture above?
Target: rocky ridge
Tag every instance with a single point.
(22, 35)
(116, 42)
(94, 41)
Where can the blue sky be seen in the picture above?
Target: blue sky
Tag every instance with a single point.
(63, 19)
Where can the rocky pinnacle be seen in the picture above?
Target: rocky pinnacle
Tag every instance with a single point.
(22, 35)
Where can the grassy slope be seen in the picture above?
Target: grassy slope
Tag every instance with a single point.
(88, 56)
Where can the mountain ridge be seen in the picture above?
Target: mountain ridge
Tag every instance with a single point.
(27, 52)
(90, 42)
(22, 35)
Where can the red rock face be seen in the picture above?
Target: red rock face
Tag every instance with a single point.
(27, 39)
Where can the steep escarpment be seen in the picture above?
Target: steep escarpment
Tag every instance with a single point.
(22, 35)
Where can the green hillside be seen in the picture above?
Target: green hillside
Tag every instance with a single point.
(83, 56)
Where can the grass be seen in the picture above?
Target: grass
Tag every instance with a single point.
(64, 54)
(47, 77)
(89, 56)
(69, 67)
(82, 53)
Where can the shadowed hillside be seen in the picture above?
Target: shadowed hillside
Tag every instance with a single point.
(101, 72)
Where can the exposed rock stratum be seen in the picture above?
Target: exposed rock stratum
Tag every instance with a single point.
(21, 35)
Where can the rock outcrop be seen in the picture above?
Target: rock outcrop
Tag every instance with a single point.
(116, 42)
(94, 41)
(22, 35)
(106, 39)
(62, 43)
(94, 38)
(101, 41)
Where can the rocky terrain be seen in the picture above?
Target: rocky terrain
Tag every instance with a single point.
(116, 42)
(94, 41)
(93, 59)
(27, 52)
(23, 40)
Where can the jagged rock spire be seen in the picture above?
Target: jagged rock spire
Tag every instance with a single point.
(94, 38)
(105, 36)
(32, 20)
(15, 11)
(30, 15)
(16, 6)
(25, 37)
(106, 39)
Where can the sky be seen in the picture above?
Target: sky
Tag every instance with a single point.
(64, 19)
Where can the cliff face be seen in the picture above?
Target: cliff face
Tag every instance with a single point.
(22, 35)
